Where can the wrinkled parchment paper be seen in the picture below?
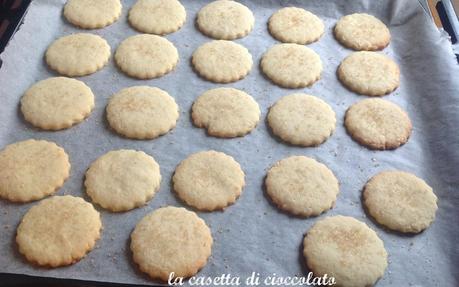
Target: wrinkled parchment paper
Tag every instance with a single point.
(253, 235)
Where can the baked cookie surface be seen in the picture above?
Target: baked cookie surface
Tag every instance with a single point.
(171, 239)
(78, 54)
(146, 56)
(32, 169)
(400, 201)
(369, 73)
(291, 65)
(58, 231)
(208, 180)
(222, 61)
(91, 14)
(295, 25)
(142, 112)
(122, 180)
(302, 186)
(57, 103)
(226, 112)
(225, 20)
(378, 124)
(362, 31)
(157, 16)
(347, 249)
(301, 119)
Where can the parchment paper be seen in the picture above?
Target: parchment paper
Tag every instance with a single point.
(253, 235)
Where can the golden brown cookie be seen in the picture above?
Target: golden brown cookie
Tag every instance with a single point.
(378, 124)
(302, 119)
(142, 112)
(295, 25)
(58, 231)
(157, 16)
(171, 239)
(226, 112)
(92, 14)
(401, 201)
(369, 73)
(208, 180)
(222, 61)
(32, 169)
(291, 65)
(302, 186)
(146, 56)
(78, 54)
(362, 31)
(57, 103)
(346, 249)
(123, 179)
(225, 20)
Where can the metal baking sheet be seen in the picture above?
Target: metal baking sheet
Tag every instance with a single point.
(252, 235)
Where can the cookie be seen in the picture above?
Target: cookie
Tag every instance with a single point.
(222, 61)
(226, 112)
(78, 54)
(295, 25)
(142, 112)
(362, 32)
(369, 73)
(301, 119)
(225, 20)
(90, 14)
(208, 180)
(31, 170)
(302, 186)
(400, 201)
(122, 180)
(378, 124)
(291, 65)
(57, 103)
(146, 56)
(58, 231)
(171, 239)
(159, 17)
(346, 249)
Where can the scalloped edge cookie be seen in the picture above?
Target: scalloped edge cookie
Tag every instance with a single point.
(78, 54)
(90, 14)
(57, 103)
(225, 20)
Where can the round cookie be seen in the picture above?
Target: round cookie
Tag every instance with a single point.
(157, 16)
(361, 31)
(225, 20)
(208, 180)
(58, 231)
(378, 124)
(295, 25)
(226, 112)
(90, 14)
(291, 65)
(301, 119)
(346, 249)
(302, 186)
(78, 54)
(222, 61)
(369, 73)
(171, 239)
(31, 170)
(146, 56)
(123, 179)
(400, 201)
(57, 103)
(142, 112)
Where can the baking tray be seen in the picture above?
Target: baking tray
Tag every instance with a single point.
(253, 235)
